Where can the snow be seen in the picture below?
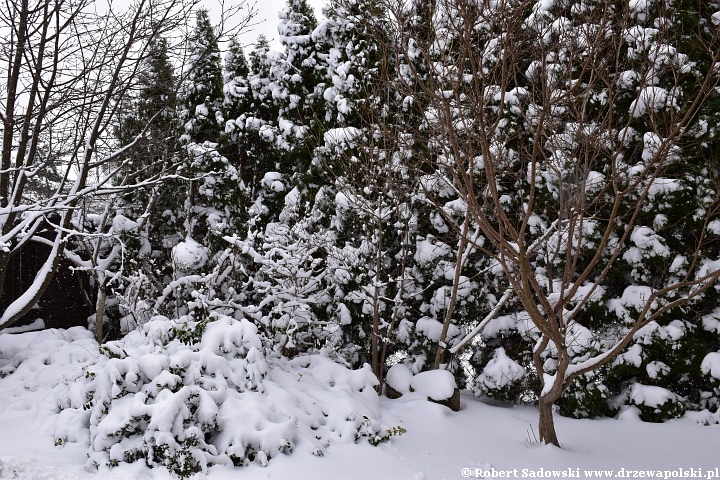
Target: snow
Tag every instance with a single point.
(663, 186)
(500, 371)
(647, 244)
(639, 8)
(121, 223)
(342, 136)
(433, 384)
(38, 324)
(711, 365)
(292, 198)
(634, 296)
(632, 357)
(627, 78)
(39, 370)
(273, 181)
(432, 329)
(189, 255)
(651, 99)
(595, 182)
(399, 377)
(657, 369)
(201, 110)
(650, 396)
(672, 332)
(711, 321)
(430, 249)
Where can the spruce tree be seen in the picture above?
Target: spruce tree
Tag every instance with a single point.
(235, 144)
(152, 115)
(263, 173)
(300, 78)
(376, 181)
(201, 95)
(212, 178)
(151, 121)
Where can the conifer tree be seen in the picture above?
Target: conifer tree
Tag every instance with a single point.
(234, 142)
(375, 178)
(152, 107)
(236, 64)
(298, 83)
(212, 179)
(153, 104)
(201, 95)
(260, 129)
(152, 115)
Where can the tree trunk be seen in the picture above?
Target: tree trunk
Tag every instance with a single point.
(100, 313)
(375, 344)
(4, 261)
(546, 426)
(459, 262)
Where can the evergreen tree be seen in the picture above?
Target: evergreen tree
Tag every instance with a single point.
(298, 84)
(201, 96)
(210, 205)
(576, 153)
(150, 120)
(262, 137)
(152, 115)
(236, 64)
(234, 142)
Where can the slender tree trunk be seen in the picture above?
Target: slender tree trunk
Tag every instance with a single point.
(459, 262)
(100, 313)
(546, 426)
(4, 261)
(376, 366)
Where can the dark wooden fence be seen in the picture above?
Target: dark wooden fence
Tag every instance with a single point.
(66, 301)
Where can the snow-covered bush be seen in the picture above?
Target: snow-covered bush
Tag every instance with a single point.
(434, 385)
(656, 404)
(501, 377)
(503, 361)
(189, 394)
(588, 397)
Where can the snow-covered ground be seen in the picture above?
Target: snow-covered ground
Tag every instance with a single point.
(478, 441)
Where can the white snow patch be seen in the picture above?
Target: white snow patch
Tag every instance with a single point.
(500, 371)
(652, 99)
(711, 365)
(342, 136)
(189, 255)
(650, 396)
(40, 369)
(434, 384)
(399, 377)
(432, 329)
(293, 197)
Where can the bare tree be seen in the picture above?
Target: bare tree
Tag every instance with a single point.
(560, 126)
(66, 67)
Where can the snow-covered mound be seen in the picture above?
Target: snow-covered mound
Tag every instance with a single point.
(434, 385)
(188, 395)
(37, 367)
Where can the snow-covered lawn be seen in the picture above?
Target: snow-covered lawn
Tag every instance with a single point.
(437, 444)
